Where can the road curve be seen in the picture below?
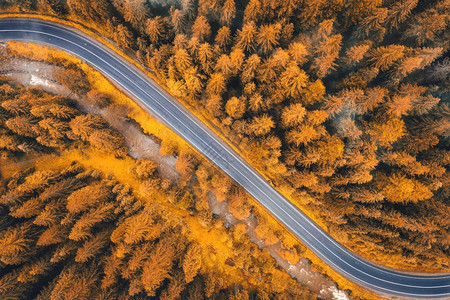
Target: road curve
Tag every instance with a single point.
(167, 110)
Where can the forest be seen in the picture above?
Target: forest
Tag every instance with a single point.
(343, 105)
(71, 232)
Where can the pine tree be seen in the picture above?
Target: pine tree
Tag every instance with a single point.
(298, 52)
(289, 7)
(329, 149)
(82, 228)
(429, 55)
(216, 84)
(145, 168)
(192, 262)
(245, 37)
(123, 36)
(372, 25)
(53, 235)
(64, 250)
(422, 105)
(138, 258)
(384, 57)
(267, 71)
(314, 92)
(261, 125)
(183, 60)
(223, 37)
(386, 131)
(250, 68)
(303, 135)
(293, 80)
(135, 12)
(188, 8)
(108, 140)
(400, 12)
(155, 29)
(33, 271)
(193, 79)
(201, 28)
(209, 7)
(9, 286)
(253, 11)
(333, 105)
(399, 188)
(64, 112)
(139, 228)
(186, 163)
(373, 98)
(16, 107)
(256, 103)
(356, 53)
(15, 243)
(293, 115)
(87, 197)
(93, 246)
(99, 99)
(440, 71)
(28, 208)
(206, 56)
(348, 128)
(311, 11)
(355, 10)
(76, 282)
(193, 44)
(408, 163)
(173, 291)
(237, 58)
(224, 65)
(111, 267)
(24, 126)
(157, 268)
(228, 12)
(213, 283)
(95, 11)
(235, 108)
(178, 20)
(51, 214)
(425, 26)
(74, 79)
(268, 37)
(328, 52)
(84, 125)
(399, 105)
(214, 105)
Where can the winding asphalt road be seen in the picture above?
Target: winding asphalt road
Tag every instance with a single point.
(167, 110)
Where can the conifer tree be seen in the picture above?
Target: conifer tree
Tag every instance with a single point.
(246, 37)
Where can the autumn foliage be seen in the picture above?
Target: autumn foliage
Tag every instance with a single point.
(343, 104)
(72, 232)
